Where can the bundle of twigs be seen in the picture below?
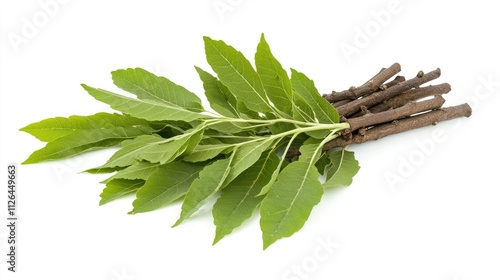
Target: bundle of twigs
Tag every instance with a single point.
(379, 108)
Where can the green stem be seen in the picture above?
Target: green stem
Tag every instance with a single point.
(265, 122)
(333, 127)
(336, 127)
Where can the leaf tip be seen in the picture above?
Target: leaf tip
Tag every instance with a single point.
(23, 129)
(86, 87)
(216, 240)
(178, 222)
(267, 242)
(207, 39)
(219, 235)
(29, 160)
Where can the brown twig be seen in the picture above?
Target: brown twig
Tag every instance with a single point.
(397, 126)
(341, 102)
(377, 97)
(385, 86)
(410, 95)
(395, 81)
(370, 86)
(394, 114)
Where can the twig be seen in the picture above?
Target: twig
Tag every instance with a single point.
(370, 86)
(410, 95)
(377, 97)
(395, 81)
(394, 114)
(425, 119)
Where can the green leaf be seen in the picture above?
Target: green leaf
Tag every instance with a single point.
(323, 110)
(274, 78)
(236, 72)
(239, 198)
(281, 127)
(290, 200)
(222, 99)
(98, 170)
(344, 167)
(303, 112)
(138, 170)
(245, 156)
(219, 97)
(50, 129)
(118, 188)
(131, 150)
(233, 127)
(210, 180)
(168, 150)
(206, 152)
(323, 164)
(150, 110)
(311, 151)
(147, 86)
(168, 183)
(277, 170)
(234, 139)
(154, 148)
(85, 140)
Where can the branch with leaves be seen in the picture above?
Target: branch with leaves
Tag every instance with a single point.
(266, 145)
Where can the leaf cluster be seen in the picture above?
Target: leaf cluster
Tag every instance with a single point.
(172, 148)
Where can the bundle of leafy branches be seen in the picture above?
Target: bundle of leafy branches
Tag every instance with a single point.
(272, 142)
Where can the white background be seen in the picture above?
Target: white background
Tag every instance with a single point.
(439, 221)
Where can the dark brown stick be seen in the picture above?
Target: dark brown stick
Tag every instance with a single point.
(394, 114)
(394, 82)
(370, 86)
(341, 102)
(377, 97)
(421, 120)
(410, 95)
